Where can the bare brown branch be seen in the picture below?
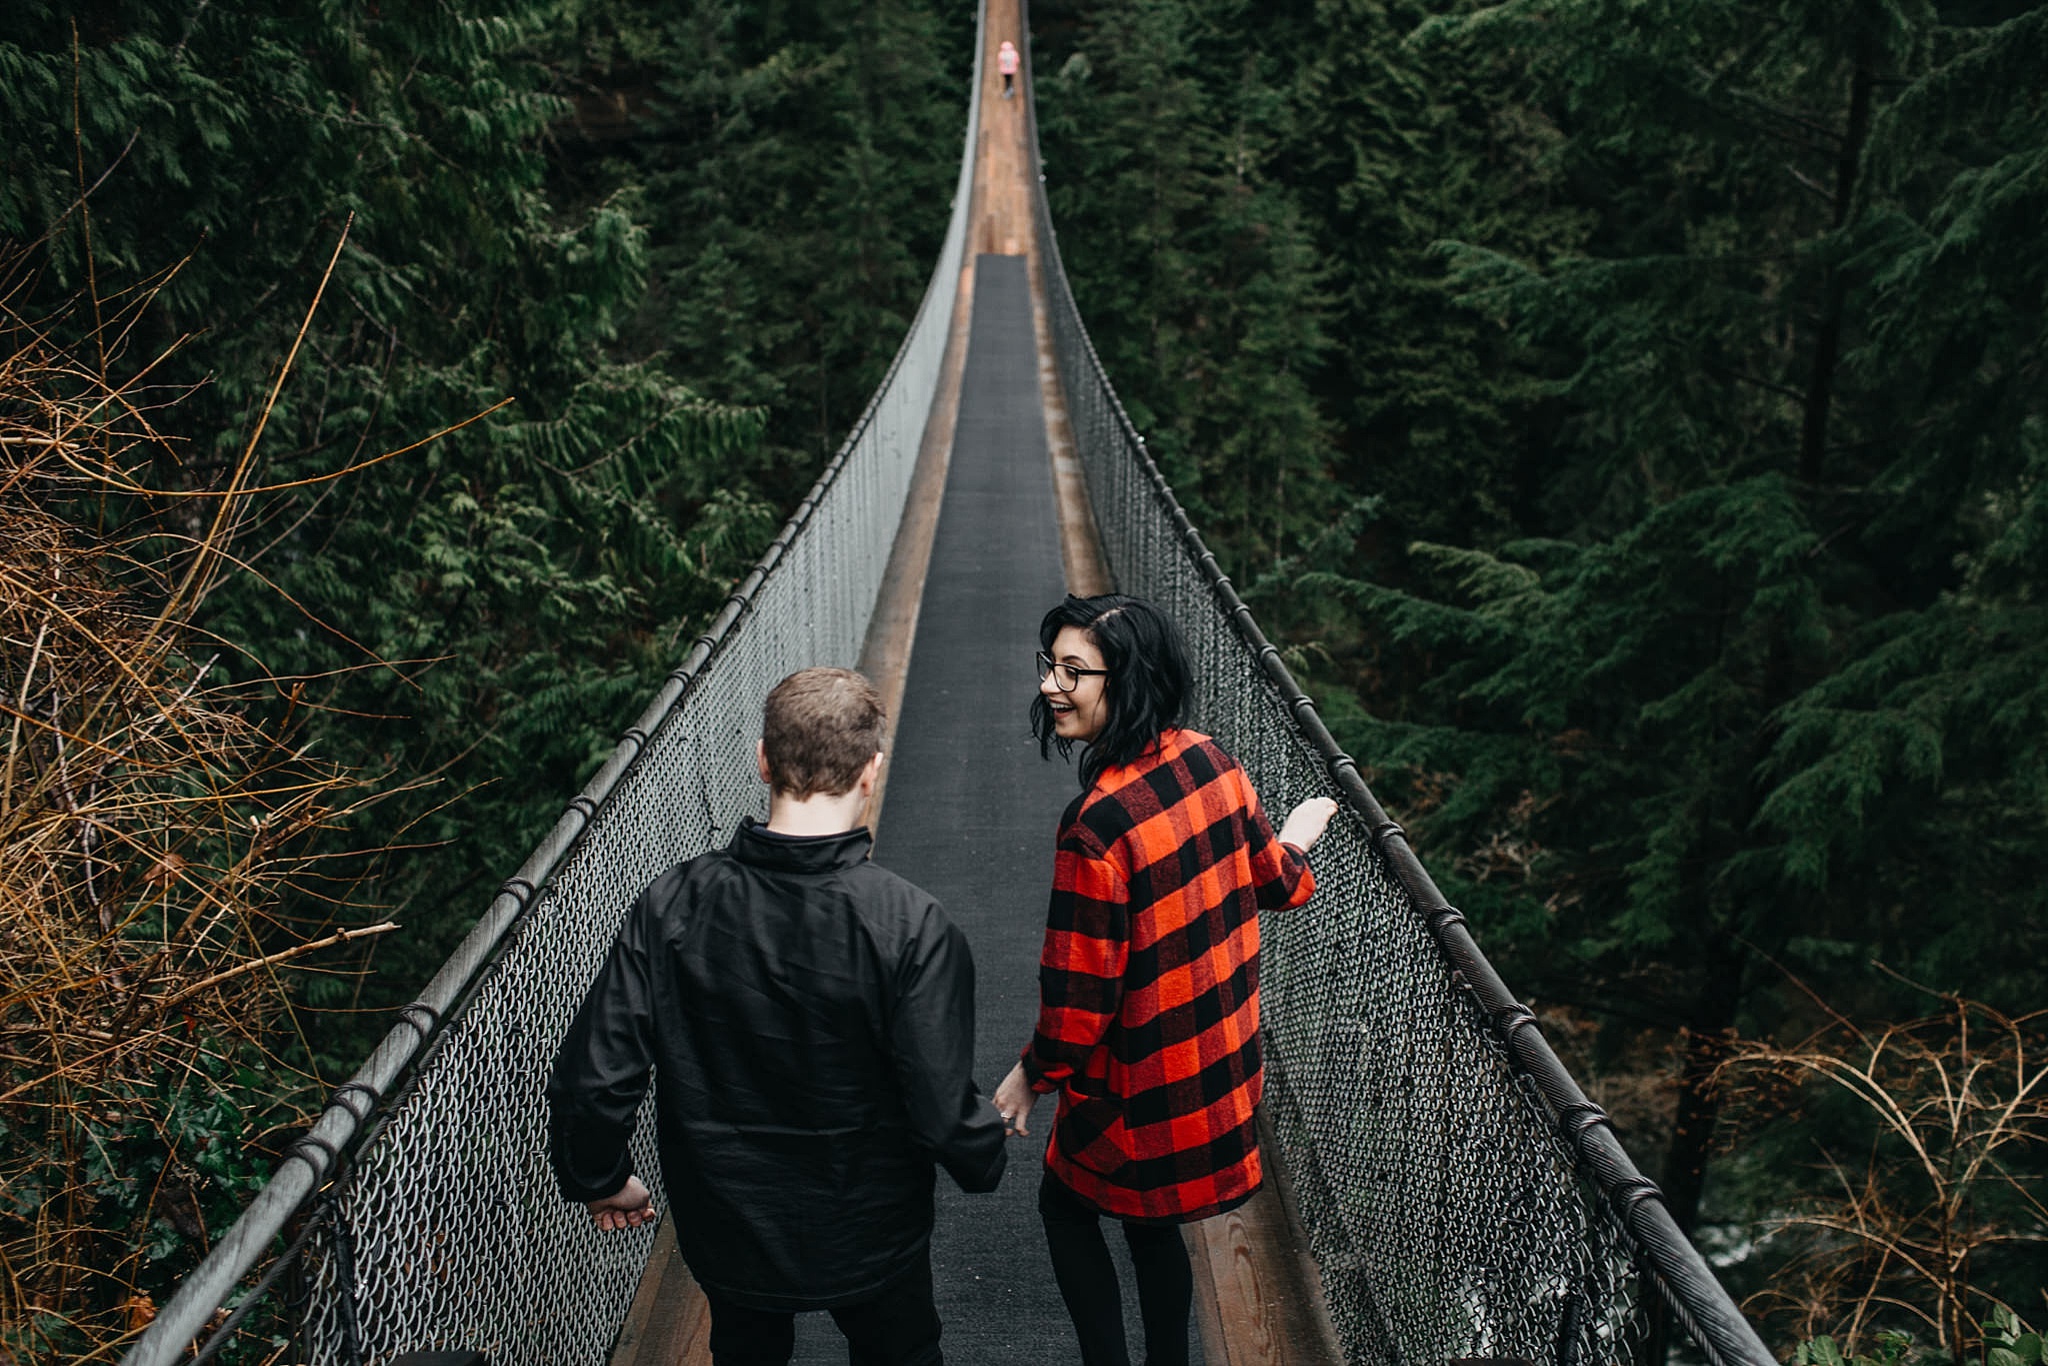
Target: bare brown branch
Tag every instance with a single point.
(169, 848)
(1956, 1106)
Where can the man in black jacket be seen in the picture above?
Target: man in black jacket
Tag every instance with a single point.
(811, 1017)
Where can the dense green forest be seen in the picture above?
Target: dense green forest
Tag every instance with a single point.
(683, 240)
(1633, 415)
(1630, 415)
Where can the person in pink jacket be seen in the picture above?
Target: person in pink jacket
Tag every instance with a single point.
(1006, 62)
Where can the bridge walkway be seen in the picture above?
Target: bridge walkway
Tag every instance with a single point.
(996, 530)
(971, 807)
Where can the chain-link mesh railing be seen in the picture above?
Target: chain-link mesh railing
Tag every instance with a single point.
(428, 1218)
(1462, 1196)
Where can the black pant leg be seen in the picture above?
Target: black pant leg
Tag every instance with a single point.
(1086, 1276)
(1166, 1290)
(899, 1327)
(750, 1337)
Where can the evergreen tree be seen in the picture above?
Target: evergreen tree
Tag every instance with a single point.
(1194, 267)
(794, 163)
(1719, 706)
(606, 214)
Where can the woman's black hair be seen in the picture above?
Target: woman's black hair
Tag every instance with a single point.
(1150, 685)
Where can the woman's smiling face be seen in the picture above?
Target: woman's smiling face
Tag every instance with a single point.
(1078, 713)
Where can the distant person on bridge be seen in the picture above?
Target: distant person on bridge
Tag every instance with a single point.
(1006, 62)
(811, 1020)
(1148, 1021)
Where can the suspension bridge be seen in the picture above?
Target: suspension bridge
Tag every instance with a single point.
(1443, 1190)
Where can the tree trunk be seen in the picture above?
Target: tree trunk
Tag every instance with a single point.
(1699, 1103)
(1827, 341)
(1699, 1106)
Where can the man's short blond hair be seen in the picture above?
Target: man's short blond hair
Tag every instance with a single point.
(820, 728)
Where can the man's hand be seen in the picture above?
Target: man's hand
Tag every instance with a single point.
(629, 1207)
(1305, 823)
(1014, 1099)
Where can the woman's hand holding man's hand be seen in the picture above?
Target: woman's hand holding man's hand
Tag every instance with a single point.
(1305, 823)
(1014, 1099)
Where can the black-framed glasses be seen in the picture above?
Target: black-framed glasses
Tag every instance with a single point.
(1065, 677)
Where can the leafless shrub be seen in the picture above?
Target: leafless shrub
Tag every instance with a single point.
(168, 847)
(1948, 1187)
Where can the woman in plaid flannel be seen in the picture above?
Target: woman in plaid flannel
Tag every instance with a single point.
(1148, 1023)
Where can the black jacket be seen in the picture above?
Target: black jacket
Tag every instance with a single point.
(811, 1017)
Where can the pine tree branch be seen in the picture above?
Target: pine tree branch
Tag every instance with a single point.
(1758, 102)
(1826, 195)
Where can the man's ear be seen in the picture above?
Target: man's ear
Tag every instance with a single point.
(761, 762)
(871, 775)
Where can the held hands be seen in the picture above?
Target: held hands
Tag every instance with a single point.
(629, 1207)
(1014, 1099)
(1305, 823)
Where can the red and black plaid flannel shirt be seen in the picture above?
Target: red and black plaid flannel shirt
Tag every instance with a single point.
(1148, 1023)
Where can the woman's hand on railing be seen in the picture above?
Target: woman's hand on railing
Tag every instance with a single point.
(1305, 823)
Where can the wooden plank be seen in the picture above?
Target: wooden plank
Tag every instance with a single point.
(670, 1321)
(892, 631)
(1080, 542)
(1010, 225)
(1258, 1294)
(1002, 218)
